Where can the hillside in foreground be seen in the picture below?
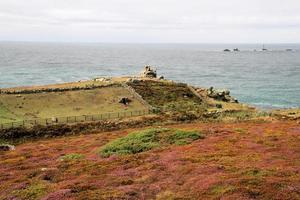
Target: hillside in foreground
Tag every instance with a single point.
(247, 160)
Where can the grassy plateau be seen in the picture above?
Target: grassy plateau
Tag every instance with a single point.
(63, 104)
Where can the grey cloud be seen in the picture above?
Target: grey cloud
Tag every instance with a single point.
(122, 20)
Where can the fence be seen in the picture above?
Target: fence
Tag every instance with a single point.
(74, 119)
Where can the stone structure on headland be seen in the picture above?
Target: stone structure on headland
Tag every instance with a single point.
(148, 72)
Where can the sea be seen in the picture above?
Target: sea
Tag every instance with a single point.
(265, 79)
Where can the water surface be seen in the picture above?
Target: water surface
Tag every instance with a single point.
(264, 79)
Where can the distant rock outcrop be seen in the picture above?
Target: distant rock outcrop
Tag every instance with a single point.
(222, 95)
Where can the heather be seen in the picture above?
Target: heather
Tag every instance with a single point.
(245, 160)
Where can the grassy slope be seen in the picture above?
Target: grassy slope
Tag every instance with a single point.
(59, 85)
(234, 161)
(70, 103)
(163, 93)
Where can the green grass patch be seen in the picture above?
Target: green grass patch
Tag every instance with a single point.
(65, 104)
(34, 191)
(220, 190)
(185, 110)
(5, 115)
(240, 131)
(184, 137)
(256, 172)
(71, 156)
(146, 140)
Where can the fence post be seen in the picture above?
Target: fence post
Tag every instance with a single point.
(101, 116)
(75, 119)
(118, 114)
(131, 113)
(12, 124)
(23, 123)
(84, 117)
(46, 121)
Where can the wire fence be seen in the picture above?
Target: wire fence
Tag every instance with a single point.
(75, 119)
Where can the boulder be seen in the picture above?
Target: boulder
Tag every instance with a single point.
(221, 95)
(125, 100)
(219, 105)
(7, 147)
(54, 119)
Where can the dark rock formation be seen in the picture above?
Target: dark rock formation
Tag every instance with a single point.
(7, 147)
(221, 95)
(125, 100)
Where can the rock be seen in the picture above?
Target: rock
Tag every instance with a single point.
(227, 50)
(161, 78)
(125, 100)
(221, 95)
(82, 81)
(102, 79)
(135, 81)
(7, 147)
(54, 119)
(219, 105)
(149, 73)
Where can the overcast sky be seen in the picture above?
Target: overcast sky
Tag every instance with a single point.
(180, 21)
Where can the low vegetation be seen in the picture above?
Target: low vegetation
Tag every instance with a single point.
(71, 156)
(64, 104)
(159, 94)
(245, 160)
(32, 192)
(146, 140)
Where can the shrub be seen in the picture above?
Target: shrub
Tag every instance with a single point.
(184, 137)
(220, 190)
(185, 111)
(133, 143)
(146, 140)
(34, 191)
(71, 156)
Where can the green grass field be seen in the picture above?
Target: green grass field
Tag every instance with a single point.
(63, 104)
